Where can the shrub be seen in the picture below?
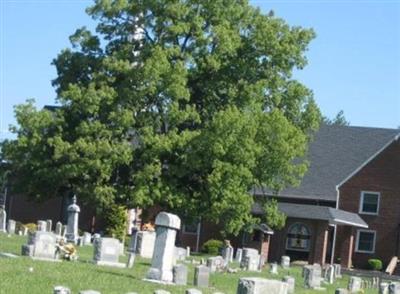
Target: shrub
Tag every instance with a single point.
(31, 227)
(212, 246)
(375, 264)
(115, 217)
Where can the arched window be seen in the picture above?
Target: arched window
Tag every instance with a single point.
(298, 237)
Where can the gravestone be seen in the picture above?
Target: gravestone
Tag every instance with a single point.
(106, 252)
(261, 286)
(215, 263)
(285, 262)
(250, 259)
(58, 230)
(167, 225)
(61, 290)
(193, 291)
(49, 225)
(354, 284)
(3, 219)
(201, 276)
(329, 274)
(11, 226)
(227, 253)
(291, 283)
(86, 239)
(179, 254)
(384, 288)
(89, 292)
(187, 251)
(238, 256)
(180, 272)
(394, 288)
(41, 245)
(161, 292)
(41, 226)
(274, 268)
(341, 291)
(312, 276)
(64, 231)
(145, 243)
(131, 260)
(338, 270)
(73, 210)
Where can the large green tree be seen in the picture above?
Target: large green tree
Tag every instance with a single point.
(183, 103)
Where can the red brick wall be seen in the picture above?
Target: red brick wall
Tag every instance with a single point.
(382, 175)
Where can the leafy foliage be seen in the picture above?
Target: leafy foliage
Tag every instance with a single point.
(338, 120)
(274, 218)
(115, 217)
(375, 264)
(212, 246)
(183, 104)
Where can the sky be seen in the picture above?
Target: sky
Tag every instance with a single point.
(354, 62)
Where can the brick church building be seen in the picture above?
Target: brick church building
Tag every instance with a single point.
(345, 210)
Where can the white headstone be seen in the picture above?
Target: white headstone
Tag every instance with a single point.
(49, 225)
(354, 284)
(107, 252)
(41, 245)
(285, 262)
(41, 226)
(11, 226)
(167, 225)
(238, 256)
(145, 243)
(58, 230)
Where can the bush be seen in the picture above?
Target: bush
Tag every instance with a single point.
(115, 217)
(212, 246)
(375, 264)
(31, 227)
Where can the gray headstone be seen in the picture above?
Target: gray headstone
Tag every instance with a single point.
(394, 288)
(58, 230)
(64, 230)
(131, 260)
(285, 262)
(201, 276)
(312, 276)
(24, 231)
(227, 253)
(180, 272)
(238, 256)
(106, 252)
(250, 259)
(134, 238)
(61, 290)
(341, 291)
(73, 210)
(3, 217)
(215, 263)
(41, 226)
(167, 225)
(41, 245)
(354, 284)
(329, 274)
(261, 286)
(49, 225)
(291, 283)
(193, 291)
(11, 226)
(338, 270)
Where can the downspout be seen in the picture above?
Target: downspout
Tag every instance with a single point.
(335, 228)
(198, 236)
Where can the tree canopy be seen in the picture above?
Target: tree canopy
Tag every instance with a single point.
(338, 120)
(186, 104)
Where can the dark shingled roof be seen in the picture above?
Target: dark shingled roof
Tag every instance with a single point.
(315, 212)
(334, 154)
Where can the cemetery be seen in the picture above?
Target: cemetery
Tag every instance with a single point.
(105, 265)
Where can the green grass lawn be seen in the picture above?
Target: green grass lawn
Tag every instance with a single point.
(16, 278)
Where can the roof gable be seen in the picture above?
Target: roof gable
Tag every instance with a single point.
(334, 155)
